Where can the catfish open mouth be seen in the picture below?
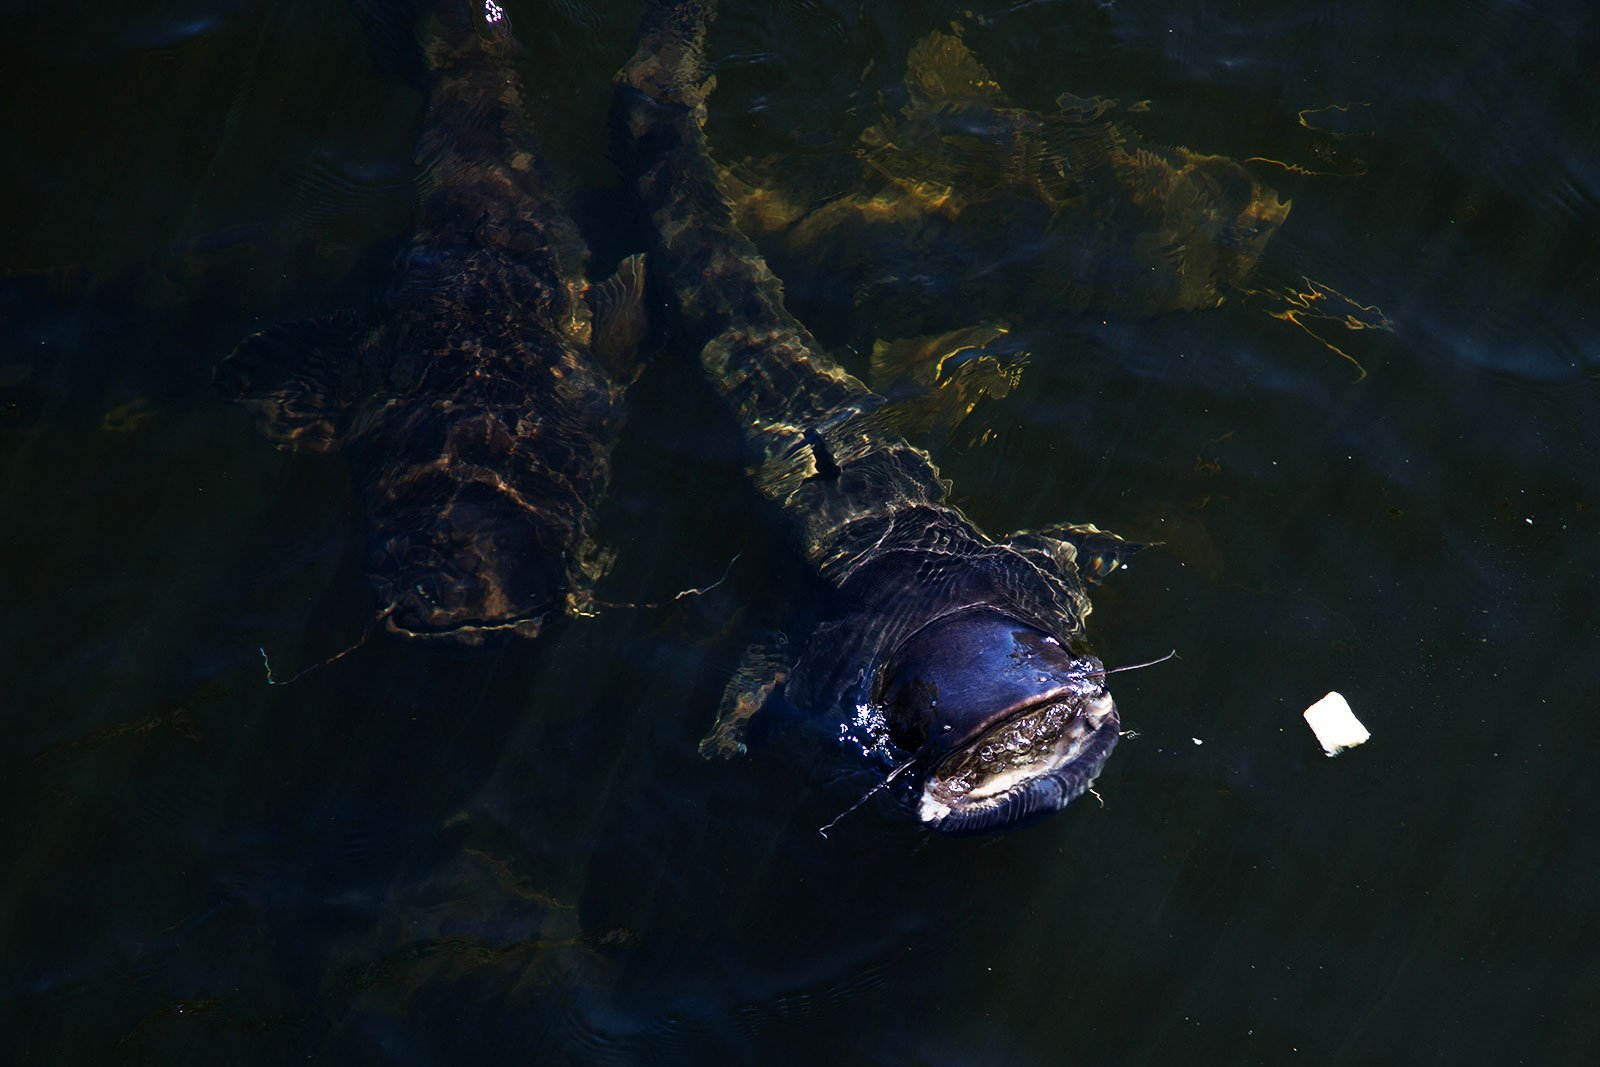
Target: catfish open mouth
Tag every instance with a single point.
(1031, 762)
(466, 602)
(418, 617)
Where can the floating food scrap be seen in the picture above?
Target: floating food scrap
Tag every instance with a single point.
(1335, 725)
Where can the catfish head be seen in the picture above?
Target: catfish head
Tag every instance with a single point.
(1012, 725)
(467, 570)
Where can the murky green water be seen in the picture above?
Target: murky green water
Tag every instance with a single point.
(1370, 468)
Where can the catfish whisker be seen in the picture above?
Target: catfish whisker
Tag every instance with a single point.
(366, 632)
(681, 594)
(874, 791)
(1130, 667)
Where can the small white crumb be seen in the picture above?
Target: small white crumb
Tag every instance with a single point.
(931, 810)
(1197, 741)
(1335, 725)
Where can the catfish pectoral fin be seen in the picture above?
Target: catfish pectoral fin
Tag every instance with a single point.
(1095, 552)
(942, 67)
(620, 319)
(298, 380)
(762, 669)
(935, 382)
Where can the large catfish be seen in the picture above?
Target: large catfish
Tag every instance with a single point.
(947, 653)
(479, 400)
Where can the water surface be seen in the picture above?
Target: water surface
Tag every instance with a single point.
(431, 855)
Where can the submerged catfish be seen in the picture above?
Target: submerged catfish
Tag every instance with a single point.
(947, 653)
(479, 400)
(1066, 210)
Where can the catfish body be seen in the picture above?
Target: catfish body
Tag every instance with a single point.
(477, 400)
(948, 650)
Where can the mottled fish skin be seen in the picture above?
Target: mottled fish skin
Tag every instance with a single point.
(475, 406)
(869, 508)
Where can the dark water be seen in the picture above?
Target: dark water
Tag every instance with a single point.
(425, 855)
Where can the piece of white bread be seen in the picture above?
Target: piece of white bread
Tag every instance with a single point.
(1335, 725)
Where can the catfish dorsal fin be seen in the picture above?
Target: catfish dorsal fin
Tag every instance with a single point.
(764, 667)
(299, 380)
(620, 319)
